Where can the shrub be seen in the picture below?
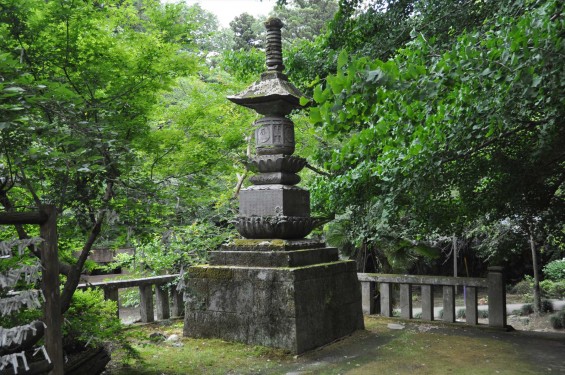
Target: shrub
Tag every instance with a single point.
(90, 321)
(553, 289)
(524, 286)
(546, 306)
(555, 270)
(558, 320)
(526, 309)
(461, 314)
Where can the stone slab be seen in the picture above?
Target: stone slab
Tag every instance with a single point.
(293, 308)
(291, 258)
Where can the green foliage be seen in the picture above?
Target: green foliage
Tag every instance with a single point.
(435, 139)
(555, 270)
(174, 249)
(91, 320)
(244, 65)
(553, 289)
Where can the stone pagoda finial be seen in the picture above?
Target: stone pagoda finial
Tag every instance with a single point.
(274, 44)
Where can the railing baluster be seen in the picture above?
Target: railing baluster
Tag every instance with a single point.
(386, 299)
(368, 297)
(146, 303)
(471, 308)
(162, 301)
(496, 298)
(427, 302)
(449, 303)
(178, 303)
(406, 301)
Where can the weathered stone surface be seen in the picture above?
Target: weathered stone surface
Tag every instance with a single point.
(292, 258)
(277, 163)
(294, 308)
(272, 95)
(274, 200)
(274, 135)
(275, 178)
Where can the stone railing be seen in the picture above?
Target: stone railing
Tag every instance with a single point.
(162, 292)
(494, 283)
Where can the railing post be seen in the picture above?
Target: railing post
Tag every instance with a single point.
(112, 295)
(427, 302)
(162, 301)
(449, 303)
(471, 308)
(178, 303)
(146, 303)
(368, 297)
(496, 297)
(386, 299)
(406, 301)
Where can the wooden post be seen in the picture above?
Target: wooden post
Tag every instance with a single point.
(406, 301)
(50, 287)
(368, 297)
(386, 299)
(146, 303)
(427, 302)
(471, 308)
(449, 303)
(162, 301)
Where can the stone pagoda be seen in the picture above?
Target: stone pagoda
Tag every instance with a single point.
(275, 287)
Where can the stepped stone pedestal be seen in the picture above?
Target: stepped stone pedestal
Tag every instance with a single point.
(295, 295)
(275, 287)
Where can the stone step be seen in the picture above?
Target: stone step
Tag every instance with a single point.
(291, 258)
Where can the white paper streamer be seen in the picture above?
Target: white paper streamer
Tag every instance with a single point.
(7, 246)
(31, 298)
(16, 335)
(29, 273)
(12, 359)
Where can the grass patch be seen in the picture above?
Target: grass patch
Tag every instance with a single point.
(191, 356)
(419, 348)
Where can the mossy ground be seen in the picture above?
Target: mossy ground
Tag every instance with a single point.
(416, 349)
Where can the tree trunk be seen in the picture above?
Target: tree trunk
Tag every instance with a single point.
(537, 294)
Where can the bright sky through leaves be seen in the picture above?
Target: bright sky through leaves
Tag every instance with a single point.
(227, 10)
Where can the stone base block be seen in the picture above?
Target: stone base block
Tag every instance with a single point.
(291, 258)
(294, 308)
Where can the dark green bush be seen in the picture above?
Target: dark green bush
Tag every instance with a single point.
(524, 286)
(558, 320)
(526, 309)
(546, 306)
